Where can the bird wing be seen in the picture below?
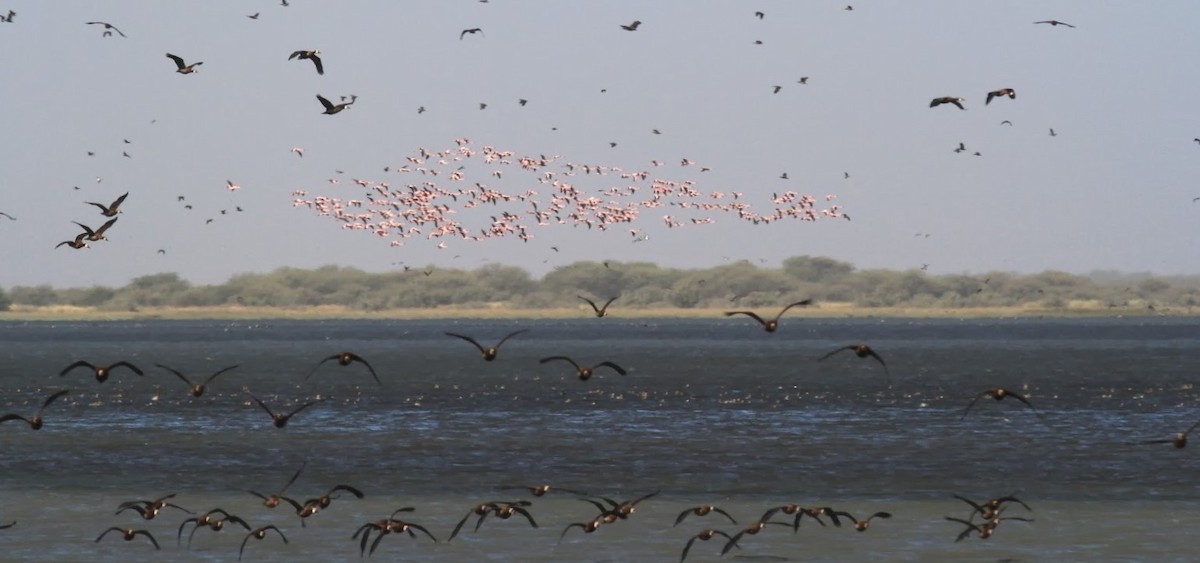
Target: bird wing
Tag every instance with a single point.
(510, 335)
(294, 477)
(1026, 401)
(317, 62)
(971, 527)
(176, 372)
(315, 368)
(989, 98)
(357, 493)
(615, 367)
(104, 227)
(305, 406)
(748, 314)
(86, 229)
(214, 376)
(328, 105)
(128, 365)
(295, 54)
(798, 303)
(468, 339)
(464, 521)
(590, 302)
(461, 35)
(263, 405)
(117, 202)
(80, 363)
(725, 514)
(51, 399)
(643, 497)
(564, 358)
(359, 359)
(105, 533)
(237, 520)
(178, 61)
(607, 303)
(822, 358)
(9, 417)
(526, 514)
(732, 543)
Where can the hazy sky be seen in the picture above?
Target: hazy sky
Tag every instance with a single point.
(1113, 189)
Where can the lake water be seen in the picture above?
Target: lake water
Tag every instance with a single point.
(711, 412)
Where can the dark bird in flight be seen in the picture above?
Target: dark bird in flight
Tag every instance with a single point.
(273, 500)
(803, 80)
(585, 372)
(1179, 440)
(618, 510)
(776, 89)
(702, 536)
(1055, 23)
(541, 490)
(1052, 133)
(770, 325)
(759, 15)
(991, 509)
(183, 68)
(860, 350)
(345, 359)
(280, 419)
(101, 372)
(522, 101)
(78, 243)
(253, 16)
(128, 534)
(600, 311)
(703, 510)
(631, 27)
(947, 100)
(999, 394)
(331, 108)
(1006, 122)
(148, 509)
(482, 106)
(310, 55)
(258, 534)
(503, 510)
(489, 352)
(472, 31)
(111, 209)
(97, 234)
(35, 422)
(1012, 94)
(108, 29)
(751, 530)
(196, 389)
(10, 217)
(8, 18)
(860, 525)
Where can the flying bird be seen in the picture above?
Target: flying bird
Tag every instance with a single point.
(281, 419)
(128, 534)
(8, 18)
(702, 536)
(101, 372)
(777, 89)
(1055, 23)
(111, 209)
(1179, 440)
(345, 359)
(310, 55)
(273, 500)
(35, 422)
(253, 16)
(759, 15)
(947, 100)
(489, 352)
(472, 31)
(860, 525)
(331, 108)
(259, 534)
(108, 29)
(703, 510)
(148, 509)
(1012, 94)
(770, 325)
(584, 372)
(631, 27)
(78, 243)
(183, 68)
(999, 394)
(97, 234)
(860, 350)
(600, 311)
(196, 389)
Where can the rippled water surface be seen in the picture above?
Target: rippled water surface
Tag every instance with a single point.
(711, 411)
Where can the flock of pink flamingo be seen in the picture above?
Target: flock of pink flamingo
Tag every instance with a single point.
(436, 198)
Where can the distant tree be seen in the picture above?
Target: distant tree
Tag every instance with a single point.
(5, 303)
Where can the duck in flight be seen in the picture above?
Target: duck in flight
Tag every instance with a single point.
(148, 509)
(345, 359)
(273, 500)
(281, 419)
(702, 536)
(101, 372)
(751, 530)
(1012, 95)
(585, 372)
(991, 508)
(703, 510)
(79, 242)
(184, 68)
(489, 352)
(34, 422)
(111, 209)
(770, 325)
(503, 510)
(631, 27)
(1055, 23)
(860, 525)
(310, 55)
(1179, 440)
(600, 311)
(861, 350)
(947, 100)
(108, 29)
(999, 394)
(196, 389)
(128, 534)
(471, 31)
(332, 108)
(258, 534)
(97, 234)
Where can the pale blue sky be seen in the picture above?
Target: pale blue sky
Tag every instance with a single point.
(1113, 190)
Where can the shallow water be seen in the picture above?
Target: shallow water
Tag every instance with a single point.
(712, 411)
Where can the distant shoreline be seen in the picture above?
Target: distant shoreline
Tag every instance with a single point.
(333, 312)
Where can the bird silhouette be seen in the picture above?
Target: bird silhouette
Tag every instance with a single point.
(128, 534)
(310, 55)
(101, 372)
(947, 100)
(1012, 94)
(148, 509)
(999, 394)
(196, 389)
(258, 534)
(35, 422)
(345, 359)
(79, 242)
(273, 500)
(773, 324)
(702, 536)
(703, 510)
(1055, 23)
(600, 311)
(489, 352)
(281, 419)
(97, 234)
(1179, 440)
(861, 350)
(631, 27)
(108, 29)
(332, 108)
(472, 31)
(183, 68)
(583, 372)
(111, 209)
